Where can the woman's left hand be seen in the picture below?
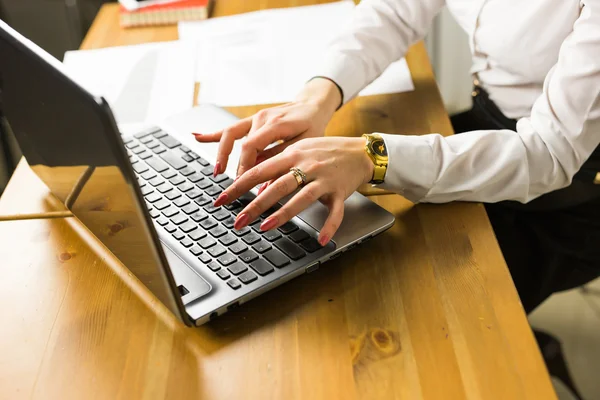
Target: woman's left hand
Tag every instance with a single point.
(334, 167)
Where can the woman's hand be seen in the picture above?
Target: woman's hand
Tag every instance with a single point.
(334, 166)
(306, 117)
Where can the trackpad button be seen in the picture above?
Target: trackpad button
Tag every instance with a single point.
(191, 286)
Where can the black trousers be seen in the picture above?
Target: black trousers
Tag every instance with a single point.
(552, 243)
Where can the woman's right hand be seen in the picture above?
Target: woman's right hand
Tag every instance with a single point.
(305, 117)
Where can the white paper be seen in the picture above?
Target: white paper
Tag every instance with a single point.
(143, 84)
(267, 56)
(133, 5)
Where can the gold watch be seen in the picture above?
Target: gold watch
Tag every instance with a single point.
(377, 152)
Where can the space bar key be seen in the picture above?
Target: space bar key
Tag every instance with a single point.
(174, 160)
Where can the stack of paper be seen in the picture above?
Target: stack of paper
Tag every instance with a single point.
(143, 84)
(267, 56)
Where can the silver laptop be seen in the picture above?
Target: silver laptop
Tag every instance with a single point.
(148, 197)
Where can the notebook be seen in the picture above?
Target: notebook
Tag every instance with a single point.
(165, 13)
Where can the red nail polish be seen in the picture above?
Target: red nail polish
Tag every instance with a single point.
(263, 187)
(217, 169)
(241, 221)
(221, 200)
(268, 223)
(197, 134)
(323, 241)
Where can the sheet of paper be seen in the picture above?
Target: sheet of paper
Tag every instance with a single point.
(267, 56)
(143, 84)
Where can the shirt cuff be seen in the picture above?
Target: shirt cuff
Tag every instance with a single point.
(411, 168)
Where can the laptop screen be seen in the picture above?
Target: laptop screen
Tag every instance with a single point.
(70, 141)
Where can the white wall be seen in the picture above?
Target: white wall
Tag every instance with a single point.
(448, 48)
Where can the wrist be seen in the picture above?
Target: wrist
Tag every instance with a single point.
(365, 162)
(322, 93)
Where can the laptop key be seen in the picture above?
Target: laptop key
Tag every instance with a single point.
(140, 167)
(186, 242)
(248, 256)
(188, 226)
(214, 191)
(172, 195)
(195, 177)
(164, 187)
(177, 180)
(188, 158)
(226, 183)
(170, 211)
(299, 236)
(262, 267)
(179, 219)
(218, 231)
(217, 250)
(204, 258)
(149, 131)
(168, 174)
(157, 180)
(242, 231)
(152, 144)
(210, 208)
(162, 221)
(161, 204)
(229, 222)
(173, 159)
(196, 250)
(169, 141)
(288, 228)
(276, 258)
(207, 242)
(170, 228)
(154, 213)
(148, 174)
(223, 274)
(237, 268)
(247, 277)
(159, 150)
(207, 170)
(197, 234)
(187, 171)
(228, 239)
(202, 200)
(185, 187)
(251, 238)
(311, 245)
(147, 189)
(202, 161)
(153, 197)
(227, 259)
(234, 205)
(144, 155)
(272, 235)
(182, 201)
(219, 178)
(190, 208)
(290, 249)
(203, 184)
(157, 165)
(132, 145)
(214, 266)
(262, 246)
(199, 216)
(221, 215)
(178, 235)
(208, 223)
(238, 248)
(194, 193)
(268, 212)
(234, 284)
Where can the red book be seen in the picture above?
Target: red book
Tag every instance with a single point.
(165, 14)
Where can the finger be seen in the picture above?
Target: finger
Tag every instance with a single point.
(279, 189)
(208, 137)
(228, 138)
(298, 203)
(334, 220)
(264, 186)
(257, 142)
(267, 170)
(273, 151)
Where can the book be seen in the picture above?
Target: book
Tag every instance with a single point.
(165, 13)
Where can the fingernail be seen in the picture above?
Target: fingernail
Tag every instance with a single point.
(197, 134)
(241, 221)
(268, 223)
(263, 187)
(217, 169)
(221, 200)
(324, 240)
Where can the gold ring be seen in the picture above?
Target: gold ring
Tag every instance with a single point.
(299, 175)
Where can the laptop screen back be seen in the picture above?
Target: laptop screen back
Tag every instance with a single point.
(70, 141)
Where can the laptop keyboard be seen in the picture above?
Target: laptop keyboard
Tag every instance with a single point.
(179, 190)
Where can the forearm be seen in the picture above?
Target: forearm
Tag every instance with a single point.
(324, 94)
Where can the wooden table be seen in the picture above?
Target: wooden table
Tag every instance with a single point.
(426, 311)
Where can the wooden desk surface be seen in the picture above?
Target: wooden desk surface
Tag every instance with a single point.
(428, 310)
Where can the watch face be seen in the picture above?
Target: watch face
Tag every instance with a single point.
(378, 146)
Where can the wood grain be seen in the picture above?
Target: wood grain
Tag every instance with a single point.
(425, 311)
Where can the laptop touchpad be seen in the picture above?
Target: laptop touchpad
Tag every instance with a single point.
(191, 286)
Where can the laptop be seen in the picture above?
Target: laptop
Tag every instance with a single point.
(148, 197)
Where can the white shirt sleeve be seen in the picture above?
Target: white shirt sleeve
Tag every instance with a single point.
(380, 33)
(543, 155)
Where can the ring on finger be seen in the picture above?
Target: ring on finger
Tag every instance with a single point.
(300, 176)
